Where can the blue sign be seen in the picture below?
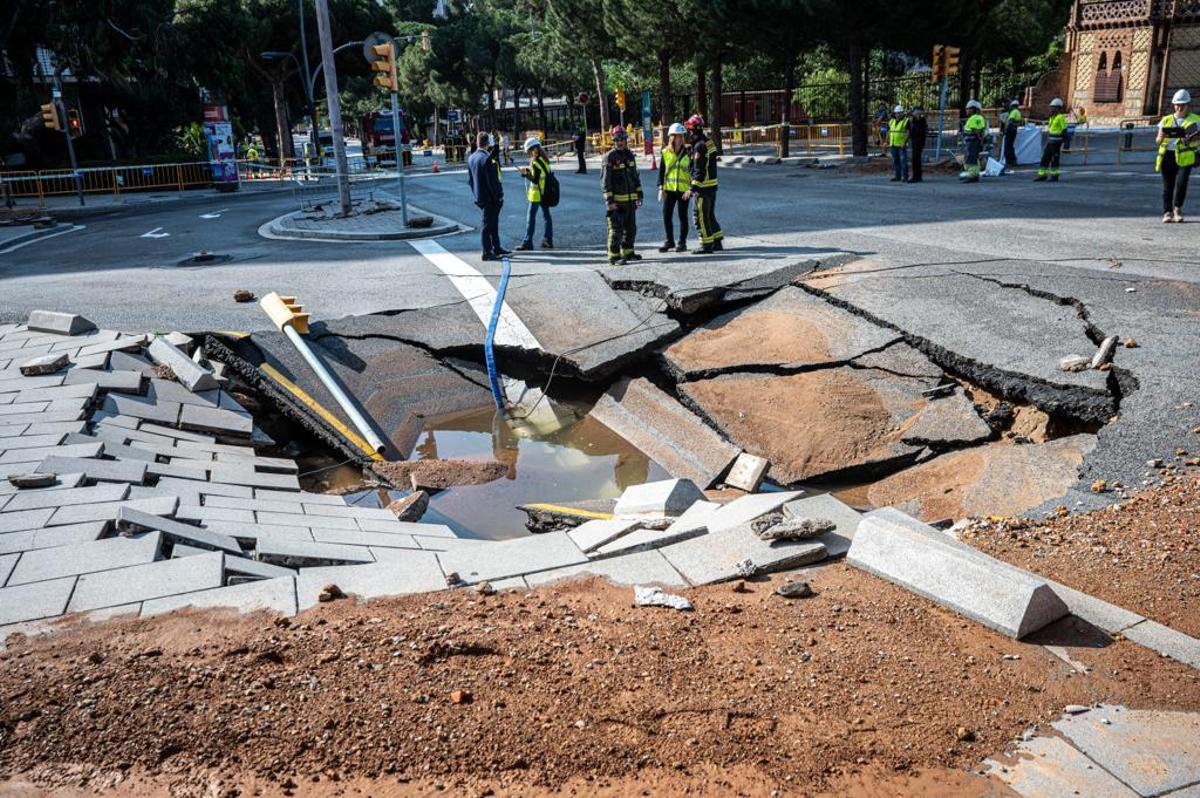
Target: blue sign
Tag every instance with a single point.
(647, 128)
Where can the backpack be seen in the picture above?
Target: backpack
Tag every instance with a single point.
(550, 190)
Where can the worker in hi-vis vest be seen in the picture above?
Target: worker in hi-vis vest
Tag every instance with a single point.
(674, 180)
(535, 174)
(974, 132)
(898, 143)
(1012, 123)
(1056, 130)
(1178, 140)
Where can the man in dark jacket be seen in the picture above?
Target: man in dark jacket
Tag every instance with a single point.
(579, 140)
(483, 176)
(918, 131)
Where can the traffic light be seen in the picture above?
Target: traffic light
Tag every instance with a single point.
(621, 97)
(952, 60)
(425, 45)
(50, 117)
(384, 65)
(938, 63)
(74, 123)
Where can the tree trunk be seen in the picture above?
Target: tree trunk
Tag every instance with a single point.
(715, 114)
(858, 122)
(789, 88)
(701, 87)
(491, 92)
(286, 150)
(665, 111)
(516, 117)
(601, 96)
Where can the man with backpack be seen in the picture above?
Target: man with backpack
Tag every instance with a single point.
(541, 191)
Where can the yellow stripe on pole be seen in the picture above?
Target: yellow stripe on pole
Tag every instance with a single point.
(564, 510)
(315, 406)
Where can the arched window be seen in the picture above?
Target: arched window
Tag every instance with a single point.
(1116, 64)
(1108, 84)
(1103, 65)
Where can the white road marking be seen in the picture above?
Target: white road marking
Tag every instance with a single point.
(15, 247)
(213, 214)
(479, 293)
(154, 234)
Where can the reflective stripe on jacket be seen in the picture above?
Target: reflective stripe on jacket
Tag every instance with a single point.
(704, 164)
(619, 177)
(1058, 127)
(537, 179)
(1185, 151)
(976, 126)
(673, 171)
(898, 132)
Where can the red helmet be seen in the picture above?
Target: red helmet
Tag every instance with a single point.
(618, 132)
(694, 121)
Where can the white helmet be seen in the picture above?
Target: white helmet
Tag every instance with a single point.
(677, 129)
(1182, 97)
(974, 104)
(1015, 104)
(1056, 102)
(899, 109)
(531, 142)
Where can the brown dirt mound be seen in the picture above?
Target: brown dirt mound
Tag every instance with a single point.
(440, 474)
(570, 687)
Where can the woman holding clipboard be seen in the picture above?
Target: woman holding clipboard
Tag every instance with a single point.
(1178, 140)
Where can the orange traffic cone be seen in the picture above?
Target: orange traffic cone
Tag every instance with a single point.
(435, 167)
(653, 163)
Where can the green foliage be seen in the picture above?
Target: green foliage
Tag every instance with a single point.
(191, 141)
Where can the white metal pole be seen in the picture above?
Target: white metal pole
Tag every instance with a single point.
(335, 105)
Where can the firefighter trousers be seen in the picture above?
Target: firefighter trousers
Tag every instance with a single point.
(622, 229)
(705, 217)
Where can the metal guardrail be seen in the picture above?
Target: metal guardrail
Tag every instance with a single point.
(108, 179)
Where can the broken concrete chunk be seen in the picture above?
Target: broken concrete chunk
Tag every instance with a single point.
(670, 497)
(797, 529)
(1105, 352)
(191, 376)
(794, 590)
(411, 507)
(917, 557)
(32, 480)
(180, 341)
(655, 597)
(949, 421)
(747, 472)
(1075, 363)
(46, 364)
(49, 321)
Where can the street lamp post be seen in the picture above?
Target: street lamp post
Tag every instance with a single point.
(335, 105)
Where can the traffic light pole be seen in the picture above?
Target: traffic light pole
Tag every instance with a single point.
(937, 151)
(61, 110)
(399, 155)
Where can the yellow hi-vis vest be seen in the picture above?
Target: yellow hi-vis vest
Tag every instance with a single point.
(676, 175)
(898, 132)
(1185, 151)
(1058, 127)
(539, 169)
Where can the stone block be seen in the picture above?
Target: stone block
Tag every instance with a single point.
(298, 495)
(57, 482)
(1152, 751)
(827, 507)
(669, 497)
(1100, 614)
(447, 543)
(417, 573)
(27, 500)
(274, 595)
(636, 568)
(1167, 641)
(148, 581)
(280, 465)
(747, 472)
(30, 442)
(725, 553)
(249, 534)
(351, 511)
(96, 361)
(356, 537)
(49, 321)
(181, 341)
(745, 509)
(138, 407)
(303, 553)
(116, 381)
(113, 448)
(214, 419)
(591, 535)
(190, 375)
(292, 519)
(83, 558)
(108, 511)
(131, 471)
(17, 521)
(246, 475)
(68, 535)
(264, 505)
(80, 390)
(688, 525)
(917, 557)
(55, 427)
(191, 512)
(517, 557)
(36, 600)
(244, 566)
(45, 364)
(1048, 767)
(181, 469)
(130, 518)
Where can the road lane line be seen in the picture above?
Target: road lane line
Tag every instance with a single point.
(15, 247)
(479, 293)
(154, 234)
(213, 214)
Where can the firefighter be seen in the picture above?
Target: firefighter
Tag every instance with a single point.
(535, 175)
(622, 197)
(704, 188)
(1178, 140)
(1012, 123)
(1052, 152)
(974, 132)
(674, 180)
(897, 139)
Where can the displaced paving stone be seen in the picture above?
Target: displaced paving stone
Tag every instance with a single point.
(1004, 480)
(36, 600)
(1152, 751)
(130, 518)
(14, 521)
(655, 597)
(796, 529)
(249, 534)
(947, 421)
(235, 474)
(747, 472)
(1048, 767)
(356, 537)
(131, 471)
(636, 568)
(666, 431)
(245, 567)
(417, 573)
(165, 412)
(688, 525)
(827, 507)
(43, 480)
(108, 511)
(744, 509)
(411, 507)
(300, 553)
(275, 595)
(215, 419)
(52, 536)
(117, 381)
(931, 564)
(83, 558)
(517, 557)
(658, 499)
(737, 552)
(64, 498)
(150, 581)
(1167, 641)
(46, 364)
(591, 535)
(49, 321)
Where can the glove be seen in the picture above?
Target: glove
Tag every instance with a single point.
(612, 206)
(637, 203)
(660, 195)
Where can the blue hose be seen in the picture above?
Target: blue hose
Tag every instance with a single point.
(489, 354)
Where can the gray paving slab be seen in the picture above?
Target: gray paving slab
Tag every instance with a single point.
(1152, 751)
(36, 600)
(443, 543)
(148, 581)
(244, 566)
(108, 511)
(896, 547)
(279, 465)
(175, 433)
(417, 573)
(61, 535)
(83, 558)
(302, 553)
(391, 527)
(86, 389)
(274, 595)
(115, 381)
(183, 469)
(293, 519)
(29, 500)
(95, 361)
(660, 499)
(112, 445)
(827, 507)
(272, 494)
(7, 563)
(517, 557)
(85, 339)
(45, 417)
(30, 442)
(1100, 614)
(265, 505)
(126, 343)
(139, 407)
(665, 430)
(725, 553)
(243, 475)
(351, 511)
(191, 375)
(114, 420)
(211, 419)
(1165, 640)
(1049, 767)
(688, 525)
(249, 534)
(171, 391)
(14, 521)
(196, 513)
(745, 509)
(130, 518)
(12, 430)
(591, 535)
(205, 488)
(130, 471)
(15, 408)
(356, 537)
(640, 568)
(13, 469)
(50, 321)
(51, 427)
